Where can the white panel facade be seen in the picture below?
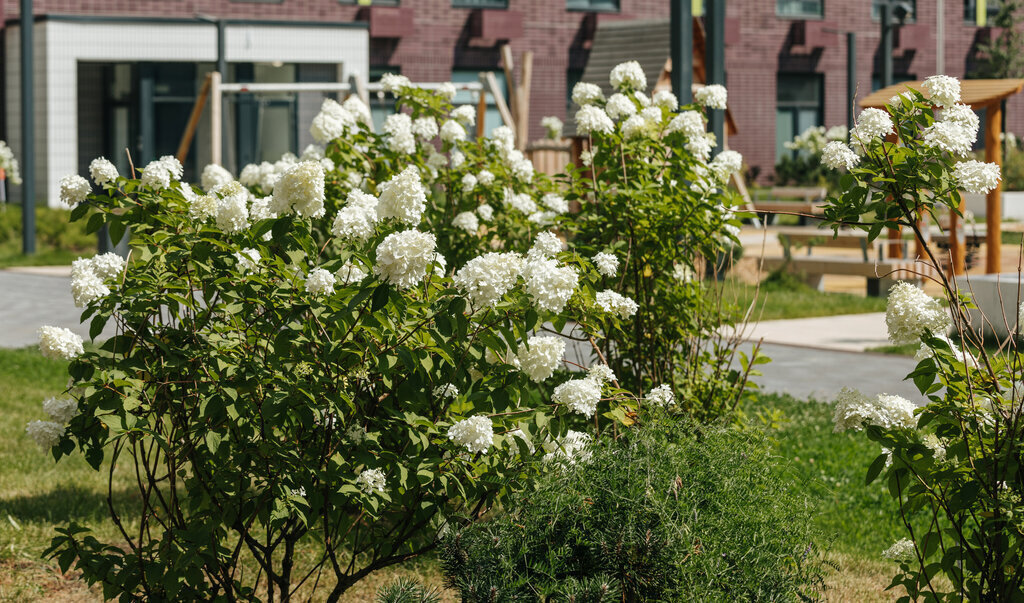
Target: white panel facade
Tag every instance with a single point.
(59, 45)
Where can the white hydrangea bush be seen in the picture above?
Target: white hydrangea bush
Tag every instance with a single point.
(306, 351)
(661, 207)
(952, 453)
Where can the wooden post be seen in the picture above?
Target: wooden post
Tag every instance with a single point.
(216, 133)
(193, 121)
(510, 82)
(523, 101)
(481, 106)
(957, 243)
(994, 201)
(499, 100)
(358, 86)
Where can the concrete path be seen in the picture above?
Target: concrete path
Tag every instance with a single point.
(29, 301)
(848, 332)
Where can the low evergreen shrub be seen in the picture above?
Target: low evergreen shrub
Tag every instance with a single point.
(669, 511)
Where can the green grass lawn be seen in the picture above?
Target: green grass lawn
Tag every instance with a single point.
(58, 241)
(37, 494)
(784, 296)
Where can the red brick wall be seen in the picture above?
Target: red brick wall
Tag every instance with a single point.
(440, 44)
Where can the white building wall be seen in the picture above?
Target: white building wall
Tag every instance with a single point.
(59, 45)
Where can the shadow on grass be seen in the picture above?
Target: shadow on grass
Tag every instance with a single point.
(65, 504)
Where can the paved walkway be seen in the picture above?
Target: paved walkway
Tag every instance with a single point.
(813, 357)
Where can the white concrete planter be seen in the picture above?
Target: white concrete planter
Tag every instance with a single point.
(997, 297)
(1013, 205)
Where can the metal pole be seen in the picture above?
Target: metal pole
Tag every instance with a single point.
(886, 45)
(940, 37)
(682, 50)
(851, 76)
(28, 129)
(715, 63)
(222, 68)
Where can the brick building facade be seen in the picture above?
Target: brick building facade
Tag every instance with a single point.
(786, 61)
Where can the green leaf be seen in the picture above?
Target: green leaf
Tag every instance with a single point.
(380, 298)
(876, 467)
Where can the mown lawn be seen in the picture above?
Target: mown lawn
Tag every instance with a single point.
(37, 494)
(784, 296)
(58, 241)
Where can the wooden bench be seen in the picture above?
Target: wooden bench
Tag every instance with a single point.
(881, 274)
(795, 199)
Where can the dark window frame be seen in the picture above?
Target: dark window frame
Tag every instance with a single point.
(795, 106)
(971, 8)
(594, 6)
(876, 11)
(491, 4)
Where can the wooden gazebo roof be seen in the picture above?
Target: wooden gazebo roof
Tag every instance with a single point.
(978, 94)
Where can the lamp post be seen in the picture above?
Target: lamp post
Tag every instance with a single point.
(715, 62)
(682, 50)
(28, 129)
(893, 14)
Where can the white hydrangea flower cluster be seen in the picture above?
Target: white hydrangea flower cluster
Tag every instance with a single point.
(545, 244)
(607, 264)
(521, 435)
(46, 434)
(871, 124)
(159, 173)
(854, 410)
(486, 212)
(661, 396)
(447, 390)
(628, 76)
(949, 137)
(475, 433)
(403, 258)
(213, 176)
(102, 171)
(73, 190)
(231, 206)
(519, 201)
(548, 284)
(569, 449)
(467, 221)
(579, 395)
(726, 164)
(486, 278)
(666, 100)
(909, 311)
(690, 123)
(424, 128)
(977, 176)
(9, 163)
(714, 96)
(61, 410)
(620, 106)
(357, 220)
(556, 203)
(332, 121)
(838, 156)
(682, 273)
(59, 343)
(452, 132)
(266, 174)
(465, 115)
(552, 126)
(900, 551)
(320, 282)
(584, 93)
(601, 373)
(926, 352)
(403, 197)
(615, 303)
(371, 480)
(398, 127)
(485, 177)
(963, 116)
(591, 119)
(247, 260)
(300, 189)
(88, 276)
(541, 356)
(942, 90)
(349, 274)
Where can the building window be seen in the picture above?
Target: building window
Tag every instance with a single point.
(492, 118)
(991, 10)
(479, 3)
(799, 104)
(876, 9)
(799, 8)
(572, 77)
(370, 2)
(592, 5)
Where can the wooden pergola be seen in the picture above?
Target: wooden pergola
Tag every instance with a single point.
(978, 94)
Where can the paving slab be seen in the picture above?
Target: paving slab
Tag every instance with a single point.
(31, 300)
(846, 332)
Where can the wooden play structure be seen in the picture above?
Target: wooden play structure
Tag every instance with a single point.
(978, 94)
